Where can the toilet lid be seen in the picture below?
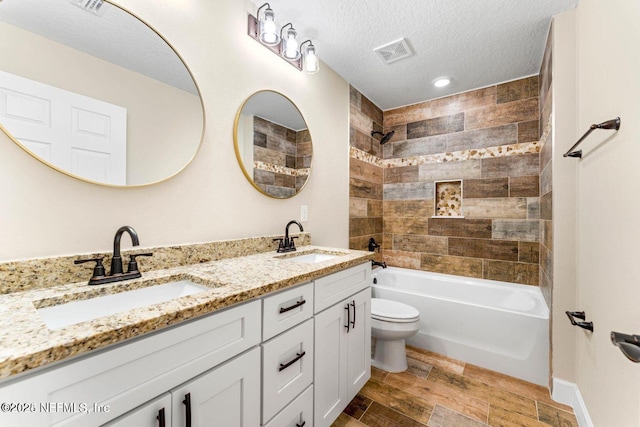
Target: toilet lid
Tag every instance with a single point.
(393, 311)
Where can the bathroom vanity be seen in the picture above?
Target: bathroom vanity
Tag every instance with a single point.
(242, 353)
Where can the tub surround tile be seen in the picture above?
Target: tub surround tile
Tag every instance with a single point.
(506, 250)
(486, 188)
(460, 227)
(518, 89)
(403, 259)
(529, 131)
(28, 343)
(461, 266)
(529, 252)
(464, 101)
(512, 112)
(484, 138)
(421, 243)
(524, 186)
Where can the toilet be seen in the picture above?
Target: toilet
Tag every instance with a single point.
(391, 323)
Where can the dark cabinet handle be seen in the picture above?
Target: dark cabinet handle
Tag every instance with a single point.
(301, 425)
(348, 325)
(296, 305)
(160, 418)
(286, 365)
(187, 403)
(353, 323)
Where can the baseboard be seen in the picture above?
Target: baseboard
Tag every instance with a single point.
(569, 394)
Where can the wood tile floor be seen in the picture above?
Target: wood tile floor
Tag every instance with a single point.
(437, 391)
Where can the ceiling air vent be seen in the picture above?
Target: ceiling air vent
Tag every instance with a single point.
(394, 51)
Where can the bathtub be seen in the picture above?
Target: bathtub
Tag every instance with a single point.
(496, 325)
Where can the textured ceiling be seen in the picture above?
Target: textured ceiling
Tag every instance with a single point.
(116, 37)
(477, 43)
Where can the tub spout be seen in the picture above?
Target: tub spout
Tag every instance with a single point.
(376, 263)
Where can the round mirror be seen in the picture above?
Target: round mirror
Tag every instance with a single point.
(95, 92)
(273, 144)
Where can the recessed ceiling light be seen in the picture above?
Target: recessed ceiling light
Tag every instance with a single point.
(442, 82)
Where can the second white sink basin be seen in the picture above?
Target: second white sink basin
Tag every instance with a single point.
(312, 258)
(71, 313)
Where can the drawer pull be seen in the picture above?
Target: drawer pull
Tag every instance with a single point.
(296, 305)
(348, 325)
(160, 418)
(301, 425)
(286, 365)
(187, 403)
(353, 322)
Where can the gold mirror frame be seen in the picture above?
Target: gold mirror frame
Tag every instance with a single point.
(169, 175)
(280, 172)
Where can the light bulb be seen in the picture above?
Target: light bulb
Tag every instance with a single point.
(311, 64)
(290, 50)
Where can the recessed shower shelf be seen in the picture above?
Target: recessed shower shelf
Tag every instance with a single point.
(448, 199)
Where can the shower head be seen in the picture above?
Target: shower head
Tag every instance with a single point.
(385, 136)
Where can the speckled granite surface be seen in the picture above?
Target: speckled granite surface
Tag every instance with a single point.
(19, 276)
(26, 342)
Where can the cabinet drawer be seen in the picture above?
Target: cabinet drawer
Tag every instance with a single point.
(286, 309)
(296, 413)
(129, 375)
(287, 368)
(335, 287)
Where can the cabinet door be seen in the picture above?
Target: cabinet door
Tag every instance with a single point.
(330, 364)
(228, 395)
(156, 413)
(359, 343)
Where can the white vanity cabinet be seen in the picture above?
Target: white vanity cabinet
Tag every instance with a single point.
(97, 388)
(156, 413)
(342, 341)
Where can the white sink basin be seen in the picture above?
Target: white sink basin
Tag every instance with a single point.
(312, 258)
(63, 315)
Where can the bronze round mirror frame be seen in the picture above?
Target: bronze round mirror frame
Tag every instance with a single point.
(239, 155)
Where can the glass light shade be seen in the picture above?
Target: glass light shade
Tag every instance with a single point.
(311, 63)
(290, 49)
(268, 29)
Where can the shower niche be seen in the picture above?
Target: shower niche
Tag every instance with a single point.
(448, 199)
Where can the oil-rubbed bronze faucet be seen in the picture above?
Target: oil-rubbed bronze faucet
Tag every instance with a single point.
(287, 244)
(116, 273)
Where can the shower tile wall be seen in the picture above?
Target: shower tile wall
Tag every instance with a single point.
(365, 173)
(280, 151)
(489, 138)
(546, 182)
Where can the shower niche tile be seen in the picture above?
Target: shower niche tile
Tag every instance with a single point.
(448, 199)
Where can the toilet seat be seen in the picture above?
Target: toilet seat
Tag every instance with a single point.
(393, 311)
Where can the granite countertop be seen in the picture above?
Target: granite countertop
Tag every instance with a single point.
(27, 343)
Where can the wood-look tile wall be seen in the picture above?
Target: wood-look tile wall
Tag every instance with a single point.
(546, 181)
(279, 146)
(365, 178)
(393, 201)
(498, 237)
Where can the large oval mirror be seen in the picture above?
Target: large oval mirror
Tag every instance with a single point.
(96, 94)
(273, 144)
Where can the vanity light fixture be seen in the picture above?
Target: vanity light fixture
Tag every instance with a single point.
(284, 43)
(289, 48)
(311, 63)
(95, 7)
(267, 26)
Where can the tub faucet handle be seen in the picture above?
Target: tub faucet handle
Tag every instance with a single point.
(372, 245)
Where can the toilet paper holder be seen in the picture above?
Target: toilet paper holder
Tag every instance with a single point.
(629, 345)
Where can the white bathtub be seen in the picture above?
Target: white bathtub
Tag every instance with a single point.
(500, 326)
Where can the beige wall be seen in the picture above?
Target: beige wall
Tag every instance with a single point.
(161, 119)
(44, 213)
(606, 205)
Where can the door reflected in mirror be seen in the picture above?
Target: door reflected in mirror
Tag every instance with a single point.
(273, 144)
(103, 98)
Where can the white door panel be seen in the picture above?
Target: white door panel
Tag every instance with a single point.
(78, 134)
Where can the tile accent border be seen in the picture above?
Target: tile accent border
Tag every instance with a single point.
(281, 169)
